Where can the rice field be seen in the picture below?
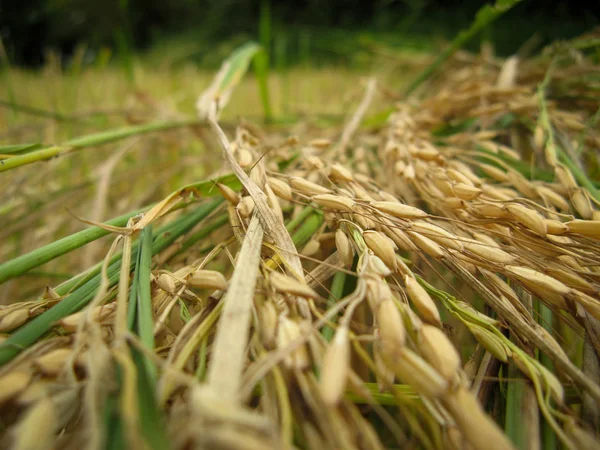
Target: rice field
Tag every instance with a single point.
(405, 258)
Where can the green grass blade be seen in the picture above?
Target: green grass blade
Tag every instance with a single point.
(514, 403)
(42, 255)
(337, 291)
(36, 258)
(262, 60)
(151, 418)
(36, 328)
(91, 140)
(145, 322)
(18, 148)
(34, 111)
(485, 15)
(7, 80)
(237, 65)
(125, 54)
(140, 309)
(546, 319)
(308, 228)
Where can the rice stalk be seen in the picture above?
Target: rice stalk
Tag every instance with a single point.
(361, 278)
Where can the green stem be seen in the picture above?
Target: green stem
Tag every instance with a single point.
(37, 257)
(91, 140)
(337, 290)
(36, 328)
(485, 15)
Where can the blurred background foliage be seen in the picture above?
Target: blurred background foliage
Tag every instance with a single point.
(338, 31)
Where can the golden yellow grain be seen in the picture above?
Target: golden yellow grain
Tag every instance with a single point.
(523, 185)
(334, 202)
(307, 187)
(565, 177)
(311, 248)
(540, 279)
(13, 383)
(166, 282)
(555, 227)
(335, 368)
(489, 210)
(411, 369)
(528, 217)
(459, 178)
(438, 351)
(588, 228)
(399, 210)
(337, 172)
(244, 158)
(378, 267)
(444, 186)
(422, 301)
(267, 315)
(479, 430)
(582, 203)
(98, 314)
(245, 207)
(344, 248)
(207, 279)
(288, 285)
(391, 327)
(570, 278)
(488, 253)
(13, 319)
(36, 429)
(312, 162)
(494, 172)
(553, 198)
(465, 191)
(381, 246)
(425, 244)
(229, 194)
(437, 234)
(280, 188)
(288, 331)
(320, 143)
(400, 238)
(273, 202)
(361, 193)
(53, 362)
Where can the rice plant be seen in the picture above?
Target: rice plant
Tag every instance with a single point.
(422, 274)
